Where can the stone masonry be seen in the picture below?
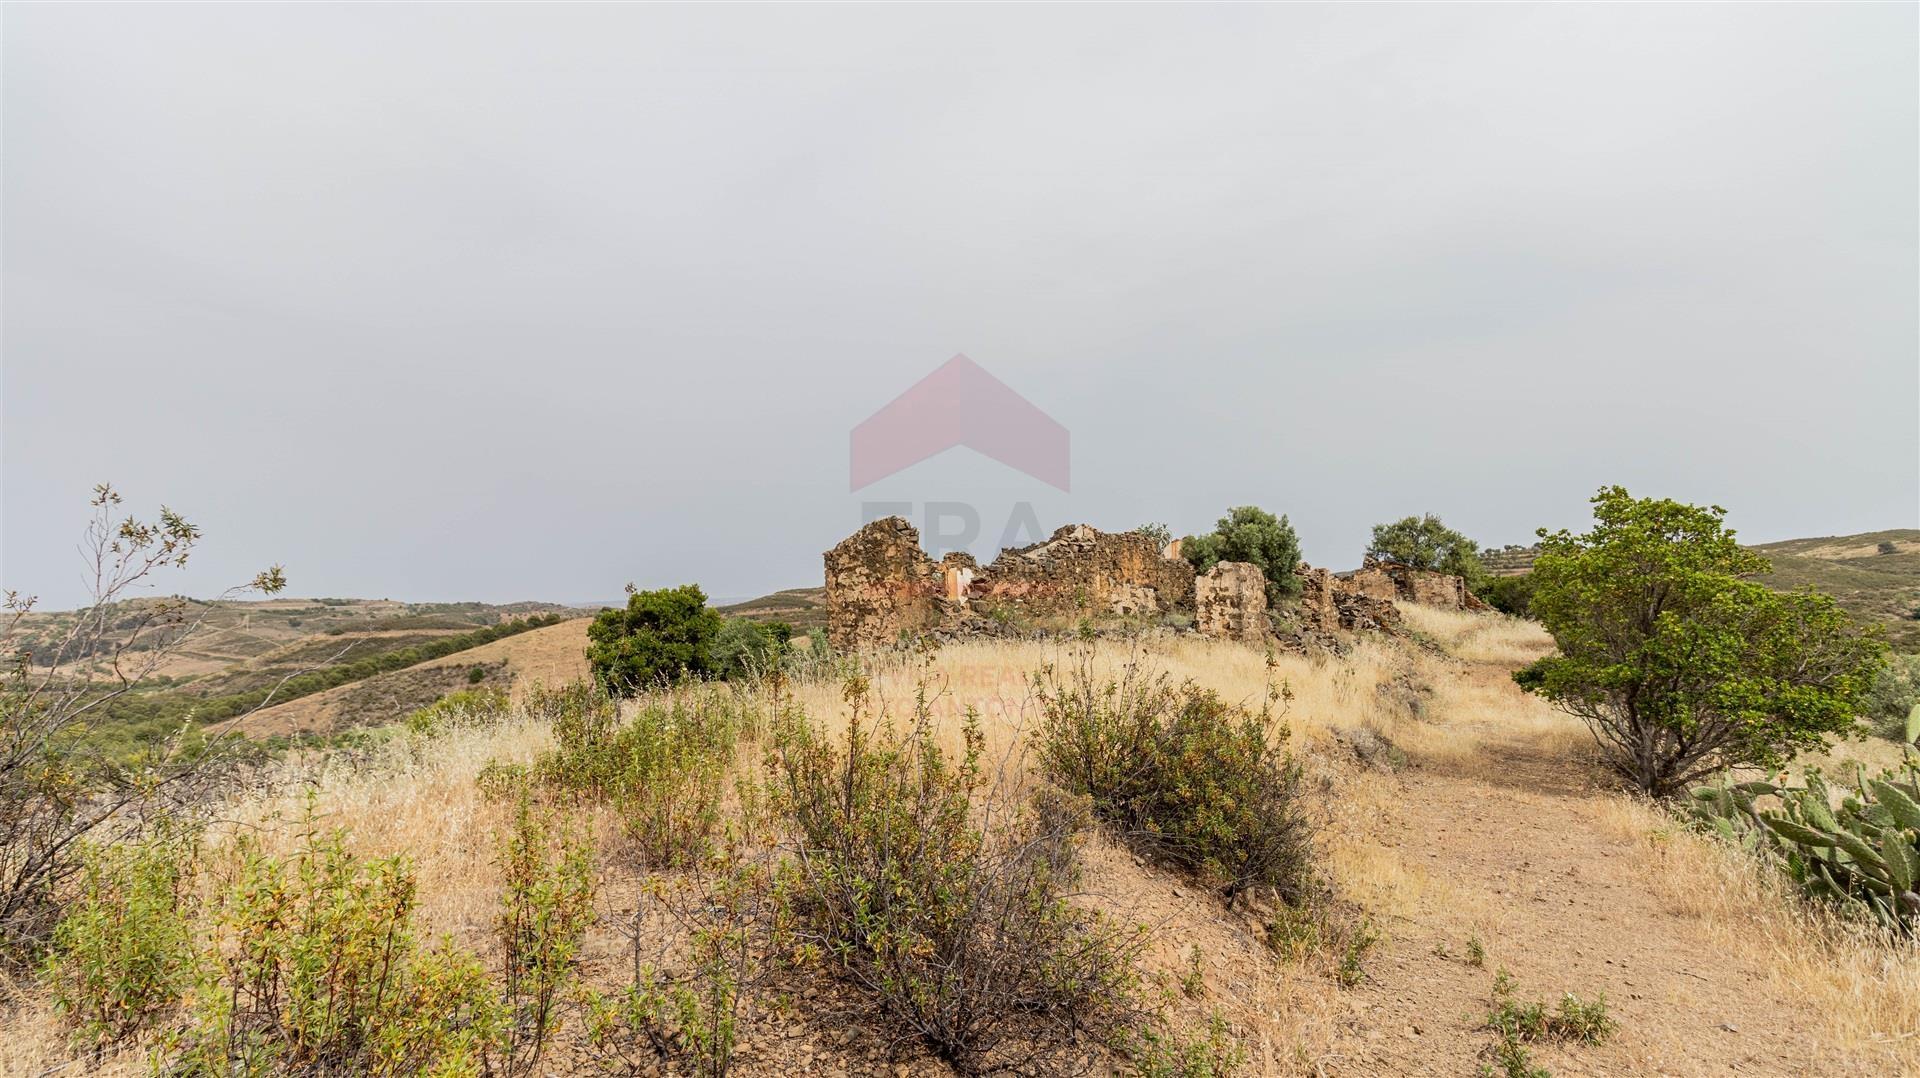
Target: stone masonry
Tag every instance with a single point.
(1230, 601)
(881, 587)
(881, 584)
(1081, 570)
(1390, 580)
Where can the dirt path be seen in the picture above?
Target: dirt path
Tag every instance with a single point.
(1505, 844)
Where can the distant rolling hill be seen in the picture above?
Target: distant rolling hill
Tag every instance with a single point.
(802, 608)
(1874, 575)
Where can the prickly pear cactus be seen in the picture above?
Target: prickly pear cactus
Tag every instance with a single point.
(1866, 851)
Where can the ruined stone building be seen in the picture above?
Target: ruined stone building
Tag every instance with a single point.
(1389, 580)
(881, 587)
(881, 584)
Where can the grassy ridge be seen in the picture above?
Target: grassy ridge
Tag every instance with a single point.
(1871, 585)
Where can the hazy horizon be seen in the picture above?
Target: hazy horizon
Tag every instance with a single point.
(505, 303)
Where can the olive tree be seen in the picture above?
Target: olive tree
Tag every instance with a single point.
(1425, 542)
(1679, 665)
(63, 672)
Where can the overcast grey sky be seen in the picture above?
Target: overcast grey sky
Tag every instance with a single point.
(497, 302)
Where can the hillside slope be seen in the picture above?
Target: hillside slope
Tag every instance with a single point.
(554, 655)
(1455, 812)
(1869, 583)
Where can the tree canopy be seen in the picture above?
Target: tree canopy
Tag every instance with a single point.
(1251, 534)
(659, 636)
(1425, 542)
(1679, 665)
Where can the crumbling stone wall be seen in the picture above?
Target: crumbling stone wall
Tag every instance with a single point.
(1390, 580)
(879, 585)
(1081, 570)
(1328, 605)
(1230, 601)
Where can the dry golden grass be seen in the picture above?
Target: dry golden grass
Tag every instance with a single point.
(1866, 987)
(1479, 638)
(1456, 713)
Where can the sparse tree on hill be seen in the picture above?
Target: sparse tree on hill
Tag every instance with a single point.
(1425, 542)
(1678, 665)
(56, 790)
(1251, 534)
(659, 636)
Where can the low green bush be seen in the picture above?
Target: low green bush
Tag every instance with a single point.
(546, 907)
(745, 649)
(960, 930)
(467, 707)
(123, 955)
(664, 770)
(1508, 594)
(1180, 774)
(309, 962)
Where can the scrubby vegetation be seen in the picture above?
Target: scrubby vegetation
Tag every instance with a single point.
(662, 770)
(1863, 853)
(957, 922)
(1508, 594)
(1180, 773)
(1159, 857)
(58, 789)
(311, 961)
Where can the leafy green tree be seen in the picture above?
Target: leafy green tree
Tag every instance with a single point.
(1251, 534)
(1424, 542)
(660, 636)
(1678, 665)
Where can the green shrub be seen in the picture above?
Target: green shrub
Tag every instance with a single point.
(1215, 1053)
(744, 648)
(1251, 534)
(123, 954)
(664, 771)
(1893, 696)
(311, 964)
(545, 911)
(468, 707)
(1180, 774)
(305, 964)
(659, 637)
(1516, 1024)
(961, 931)
(690, 1019)
(1679, 666)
